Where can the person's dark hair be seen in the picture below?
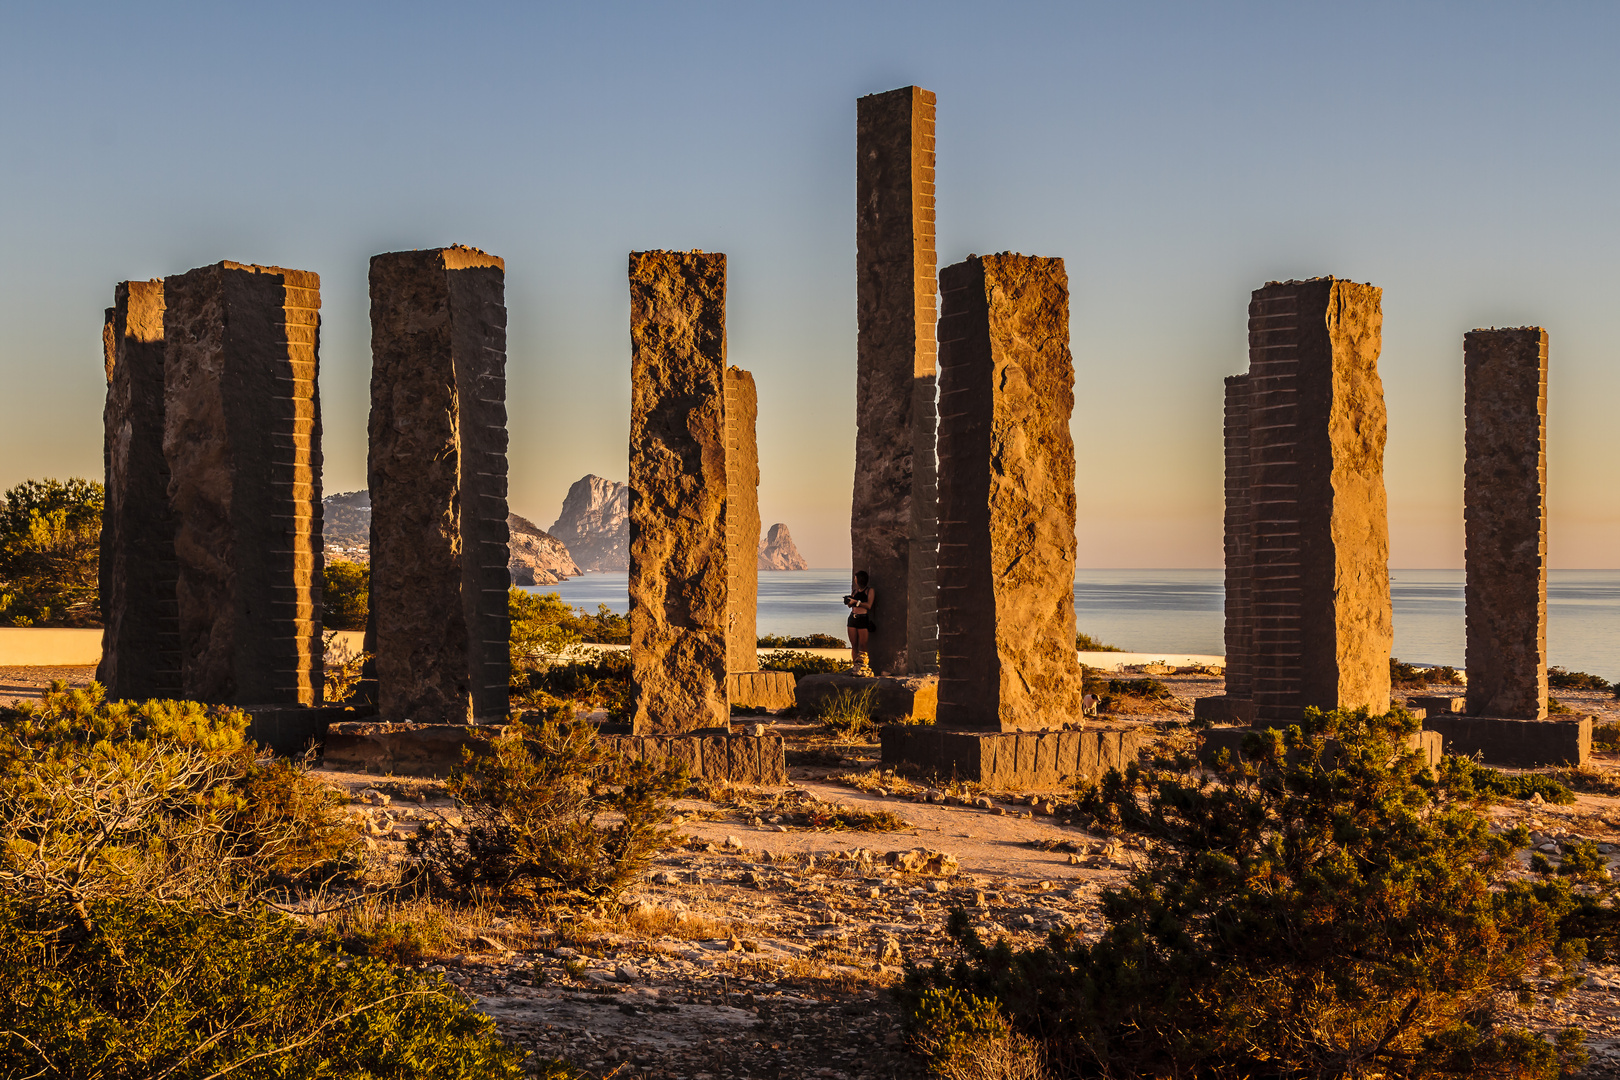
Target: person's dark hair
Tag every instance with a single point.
(860, 577)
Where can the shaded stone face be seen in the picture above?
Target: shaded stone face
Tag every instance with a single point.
(1505, 514)
(894, 515)
(140, 652)
(679, 576)
(1007, 504)
(742, 521)
(242, 439)
(1322, 622)
(438, 627)
(1239, 542)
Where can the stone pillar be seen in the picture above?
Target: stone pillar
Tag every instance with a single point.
(1239, 542)
(1007, 504)
(140, 637)
(242, 437)
(742, 521)
(438, 628)
(894, 531)
(679, 577)
(1505, 515)
(1320, 578)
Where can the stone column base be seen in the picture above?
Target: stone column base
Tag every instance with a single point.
(771, 690)
(289, 730)
(1224, 710)
(892, 697)
(1013, 759)
(1524, 744)
(741, 759)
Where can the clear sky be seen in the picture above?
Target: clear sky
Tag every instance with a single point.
(1464, 157)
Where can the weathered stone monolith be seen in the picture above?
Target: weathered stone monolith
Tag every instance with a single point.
(1239, 542)
(140, 637)
(242, 438)
(742, 521)
(894, 528)
(438, 627)
(679, 575)
(1320, 577)
(1007, 503)
(1505, 515)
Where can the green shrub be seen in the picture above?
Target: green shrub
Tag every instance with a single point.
(600, 681)
(1559, 679)
(1087, 643)
(963, 1037)
(847, 712)
(802, 663)
(809, 641)
(532, 818)
(1327, 907)
(170, 990)
(345, 595)
(50, 553)
(1410, 676)
(1463, 774)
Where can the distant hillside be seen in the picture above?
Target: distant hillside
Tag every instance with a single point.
(778, 552)
(594, 524)
(537, 558)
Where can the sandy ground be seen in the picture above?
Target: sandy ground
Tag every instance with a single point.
(30, 683)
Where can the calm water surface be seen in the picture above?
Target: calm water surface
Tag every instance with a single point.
(1181, 610)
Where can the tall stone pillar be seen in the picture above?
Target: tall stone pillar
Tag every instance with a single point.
(140, 637)
(1505, 515)
(1239, 542)
(680, 581)
(1007, 504)
(438, 628)
(742, 521)
(242, 437)
(894, 531)
(1320, 578)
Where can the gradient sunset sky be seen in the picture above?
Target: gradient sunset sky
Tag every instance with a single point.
(1464, 157)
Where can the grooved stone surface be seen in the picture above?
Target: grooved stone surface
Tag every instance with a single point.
(893, 514)
(1239, 543)
(1025, 759)
(1505, 516)
(1007, 504)
(742, 522)
(679, 580)
(140, 638)
(1320, 578)
(242, 437)
(438, 627)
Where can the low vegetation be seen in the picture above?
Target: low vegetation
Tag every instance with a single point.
(599, 681)
(545, 628)
(533, 829)
(1326, 907)
(50, 552)
(1087, 643)
(810, 641)
(1413, 676)
(143, 850)
(802, 663)
(1559, 679)
(345, 595)
(847, 712)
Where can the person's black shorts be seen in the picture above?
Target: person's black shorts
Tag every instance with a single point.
(860, 622)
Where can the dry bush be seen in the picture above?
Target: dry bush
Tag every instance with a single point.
(964, 1037)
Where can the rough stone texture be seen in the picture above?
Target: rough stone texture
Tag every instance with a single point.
(403, 749)
(916, 696)
(1024, 759)
(242, 438)
(1007, 505)
(1320, 579)
(140, 637)
(438, 628)
(778, 552)
(894, 513)
(770, 690)
(1524, 744)
(1435, 705)
(594, 524)
(290, 730)
(1230, 739)
(1239, 543)
(1505, 516)
(536, 557)
(740, 759)
(742, 521)
(679, 580)
(1224, 709)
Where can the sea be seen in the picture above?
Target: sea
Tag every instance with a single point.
(1181, 610)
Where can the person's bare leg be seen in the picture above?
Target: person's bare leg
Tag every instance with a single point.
(862, 661)
(854, 648)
